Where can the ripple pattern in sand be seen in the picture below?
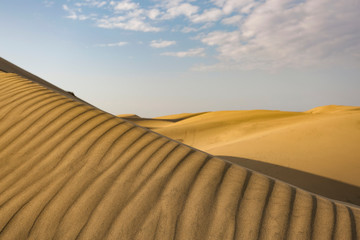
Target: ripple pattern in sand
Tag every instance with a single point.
(71, 171)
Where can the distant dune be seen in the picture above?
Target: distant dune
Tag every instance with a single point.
(128, 116)
(71, 171)
(323, 141)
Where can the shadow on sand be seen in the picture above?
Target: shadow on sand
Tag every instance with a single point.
(313, 183)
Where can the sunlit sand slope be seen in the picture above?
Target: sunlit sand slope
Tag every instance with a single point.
(322, 141)
(70, 171)
(317, 150)
(159, 122)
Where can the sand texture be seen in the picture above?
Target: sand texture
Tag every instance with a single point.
(71, 171)
(322, 142)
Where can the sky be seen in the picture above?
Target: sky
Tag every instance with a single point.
(160, 57)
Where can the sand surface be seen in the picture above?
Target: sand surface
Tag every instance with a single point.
(323, 142)
(71, 171)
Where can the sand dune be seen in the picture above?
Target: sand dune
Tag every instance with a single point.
(6, 66)
(320, 144)
(158, 122)
(180, 116)
(128, 116)
(149, 122)
(322, 141)
(327, 187)
(71, 171)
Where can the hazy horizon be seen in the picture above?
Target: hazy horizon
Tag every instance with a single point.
(155, 58)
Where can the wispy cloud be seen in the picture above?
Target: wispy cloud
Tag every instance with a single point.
(183, 9)
(196, 29)
(48, 3)
(76, 14)
(189, 29)
(91, 3)
(153, 13)
(230, 6)
(269, 34)
(209, 15)
(134, 24)
(285, 33)
(117, 44)
(125, 5)
(233, 20)
(124, 14)
(195, 52)
(161, 43)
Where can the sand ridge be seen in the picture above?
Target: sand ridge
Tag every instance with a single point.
(8, 67)
(316, 150)
(71, 171)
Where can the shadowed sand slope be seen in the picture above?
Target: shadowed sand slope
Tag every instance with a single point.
(316, 150)
(314, 183)
(70, 171)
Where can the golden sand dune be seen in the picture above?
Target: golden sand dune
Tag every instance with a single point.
(159, 122)
(149, 122)
(333, 109)
(326, 145)
(128, 116)
(321, 144)
(71, 171)
(180, 116)
(319, 141)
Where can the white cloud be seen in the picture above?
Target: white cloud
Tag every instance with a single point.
(195, 52)
(153, 13)
(136, 13)
(117, 44)
(234, 20)
(91, 3)
(133, 24)
(185, 9)
(192, 29)
(125, 15)
(65, 7)
(161, 44)
(189, 29)
(171, 3)
(209, 15)
(283, 33)
(222, 38)
(124, 5)
(249, 7)
(129, 15)
(75, 14)
(229, 6)
(228, 44)
(270, 33)
(101, 4)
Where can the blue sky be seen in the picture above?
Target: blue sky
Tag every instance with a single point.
(161, 57)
